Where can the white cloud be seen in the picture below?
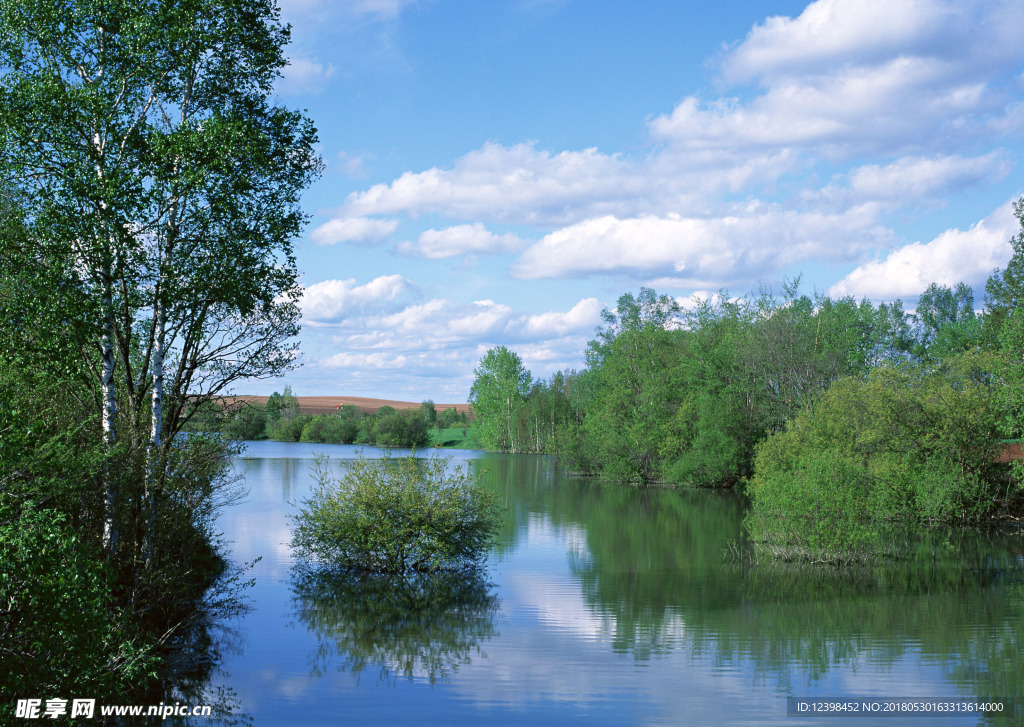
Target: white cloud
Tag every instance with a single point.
(333, 301)
(751, 243)
(830, 32)
(585, 315)
(902, 87)
(523, 185)
(855, 75)
(956, 255)
(518, 184)
(459, 240)
(920, 177)
(440, 339)
(304, 76)
(909, 182)
(440, 324)
(904, 104)
(365, 230)
(364, 361)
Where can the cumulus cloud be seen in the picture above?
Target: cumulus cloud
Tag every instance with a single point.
(953, 256)
(902, 87)
(363, 230)
(829, 32)
(920, 177)
(518, 184)
(364, 361)
(853, 75)
(583, 316)
(332, 301)
(750, 243)
(472, 239)
(909, 182)
(904, 104)
(433, 334)
(524, 185)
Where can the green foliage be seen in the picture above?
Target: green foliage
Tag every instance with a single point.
(59, 633)
(818, 508)
(1004, 289)
(387, 427)
(157, 178)
(451, 417)
(455, 438)
(1004, 322)
(946, 323)
(908, 444)
(247, 422)
(635, 370)
(428, 412)
(150, 196)
(393, 428)
(396, 516)
(421, 626)
(498, 395)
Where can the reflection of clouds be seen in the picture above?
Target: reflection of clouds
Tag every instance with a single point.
(556, 648)
(552, 655)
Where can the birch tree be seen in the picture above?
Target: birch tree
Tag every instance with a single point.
(142, 136)
(498, 394)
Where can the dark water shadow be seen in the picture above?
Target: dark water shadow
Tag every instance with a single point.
(421, 627)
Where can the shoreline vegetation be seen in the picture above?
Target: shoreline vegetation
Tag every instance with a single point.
(847, 424)
(149, 204)
(339, 420)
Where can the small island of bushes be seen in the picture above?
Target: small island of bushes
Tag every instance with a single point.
(396, 516)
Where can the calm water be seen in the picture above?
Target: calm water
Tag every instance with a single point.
(604, 604)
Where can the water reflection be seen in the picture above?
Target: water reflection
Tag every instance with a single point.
(423, 627)
(192, 669)
(616, 607)
(650, 565)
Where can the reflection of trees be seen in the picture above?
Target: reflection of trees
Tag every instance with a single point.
(647, 551)
(515, 478)
(651, 561)
(965, 616)
(192, 666)
(425, 626)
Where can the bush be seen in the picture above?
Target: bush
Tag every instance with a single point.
(248, 422)
(396, 516)
(905, 446)
(818, 510)
(59, 634)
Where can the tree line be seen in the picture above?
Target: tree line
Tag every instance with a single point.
(280, 419)
(788, 394)
(149, 196)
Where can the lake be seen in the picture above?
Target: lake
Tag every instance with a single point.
(607, 604)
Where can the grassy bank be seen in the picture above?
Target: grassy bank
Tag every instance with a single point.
(454, 438)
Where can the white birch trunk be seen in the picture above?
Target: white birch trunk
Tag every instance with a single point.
(111, 530)
(156, 430)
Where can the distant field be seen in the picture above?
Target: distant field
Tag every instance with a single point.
(328, 404)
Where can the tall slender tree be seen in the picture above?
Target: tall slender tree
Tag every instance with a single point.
(498, 394)
(141, 135)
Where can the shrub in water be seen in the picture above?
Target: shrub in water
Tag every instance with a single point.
(396, 515)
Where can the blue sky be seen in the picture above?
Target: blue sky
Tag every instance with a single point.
(498, 172)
